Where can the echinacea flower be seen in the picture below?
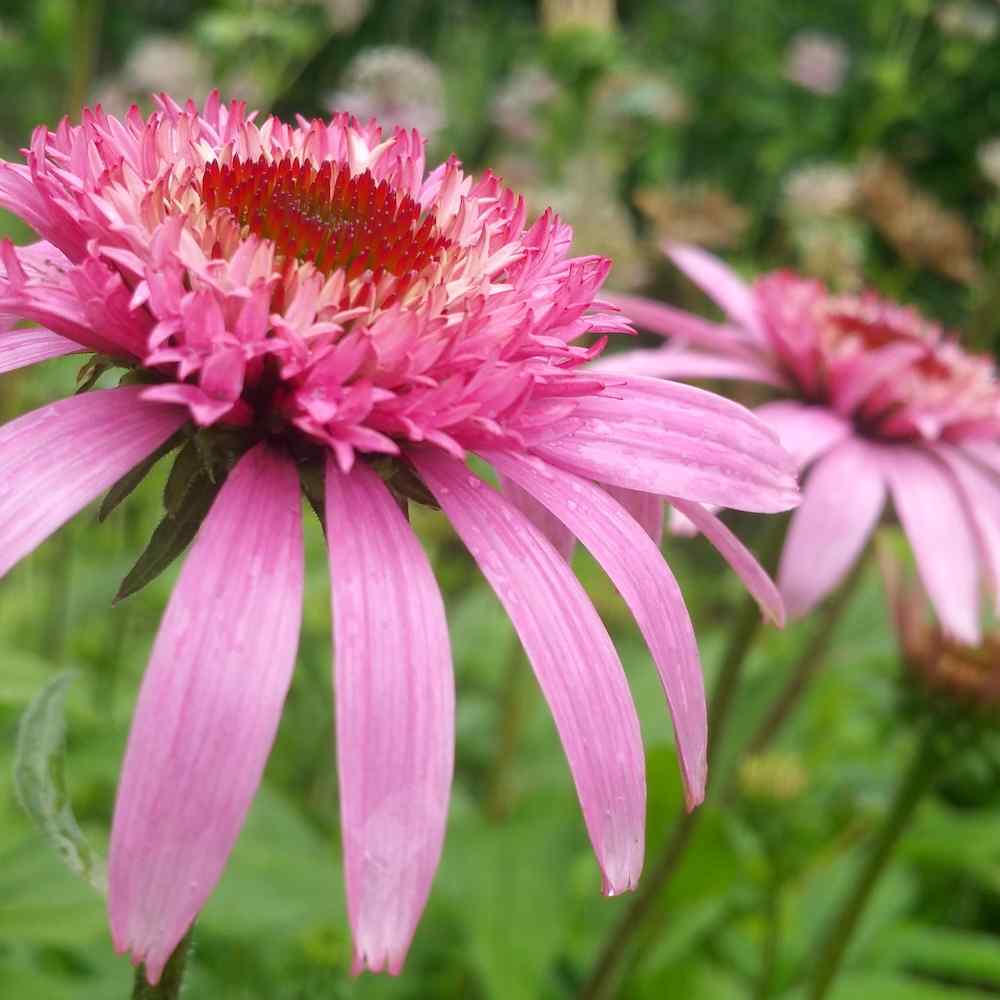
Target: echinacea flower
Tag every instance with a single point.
(878, 400)
(950, 674)
(309, 297)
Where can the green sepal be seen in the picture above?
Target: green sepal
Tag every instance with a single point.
(404, 483)
(92, 370)
(39, 780)
(191, 503)
(312, 480)
(124, 487)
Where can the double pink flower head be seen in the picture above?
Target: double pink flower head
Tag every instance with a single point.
(311, 294)
(880, 402)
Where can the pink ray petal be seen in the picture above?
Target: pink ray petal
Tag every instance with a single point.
(20, 348)
(658, 317)
(841, 503)
(986, 453)
(208, 708)
(572, 655)
(560, 537)
(57, 459)
(937, 526)
(395, 705)
(805, 431)
(644, 580)
(673, 439)
(739, 557)
(646, 508)
(670, 363)
(720, 283)
(981, 494)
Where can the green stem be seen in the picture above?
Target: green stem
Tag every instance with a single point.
(809, 663)
(917, 779)
(171, 982)
(86, 41)
(601, 979)
(500, 794)
(772, 934)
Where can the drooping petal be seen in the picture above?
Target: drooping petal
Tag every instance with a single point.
(981, 493)
(842, 499)
(208, 708)
(739, 557)
(57, 459)
(658, 317)
(805, 431)
(20, 348)
(572, 655)
(560, 537)
(646, 508)
(395, 705)
(940, 534)
(723, 285)
(676, 364)
(673, 439)
(644, 580)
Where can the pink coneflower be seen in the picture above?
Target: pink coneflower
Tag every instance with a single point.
(309, 293)
(880, 401)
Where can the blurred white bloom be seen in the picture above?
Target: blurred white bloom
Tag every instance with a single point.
(968, 20)
(396, 85)
(166, 62)
(988, 156)
(821, 190)
(817, 62)
(517, 104)
(642, 94)
(345, 15)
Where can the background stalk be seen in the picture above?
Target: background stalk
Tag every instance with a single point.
(605, 971)
(917, 780)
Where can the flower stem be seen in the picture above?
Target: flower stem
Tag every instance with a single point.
(500, 794)
(171, 982)
(772, 935)
(809, 663)
(86, 42)
(917, 779)
(612, 955)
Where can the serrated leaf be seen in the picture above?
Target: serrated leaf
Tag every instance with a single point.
(172, 534)
(124, 487)
(39, 779)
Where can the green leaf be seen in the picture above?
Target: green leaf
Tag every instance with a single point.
(40, 782)
(879, 986)
(174, 532)
(124, 487)
(961, 956)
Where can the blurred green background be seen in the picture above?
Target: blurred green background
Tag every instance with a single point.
(857, 141)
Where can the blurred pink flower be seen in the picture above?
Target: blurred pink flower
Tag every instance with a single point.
(880, 401)
(314, 292)
(817, 62)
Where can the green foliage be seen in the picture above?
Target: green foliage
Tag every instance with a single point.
(681, 96)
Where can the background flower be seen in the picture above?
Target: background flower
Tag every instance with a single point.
(880, 402)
